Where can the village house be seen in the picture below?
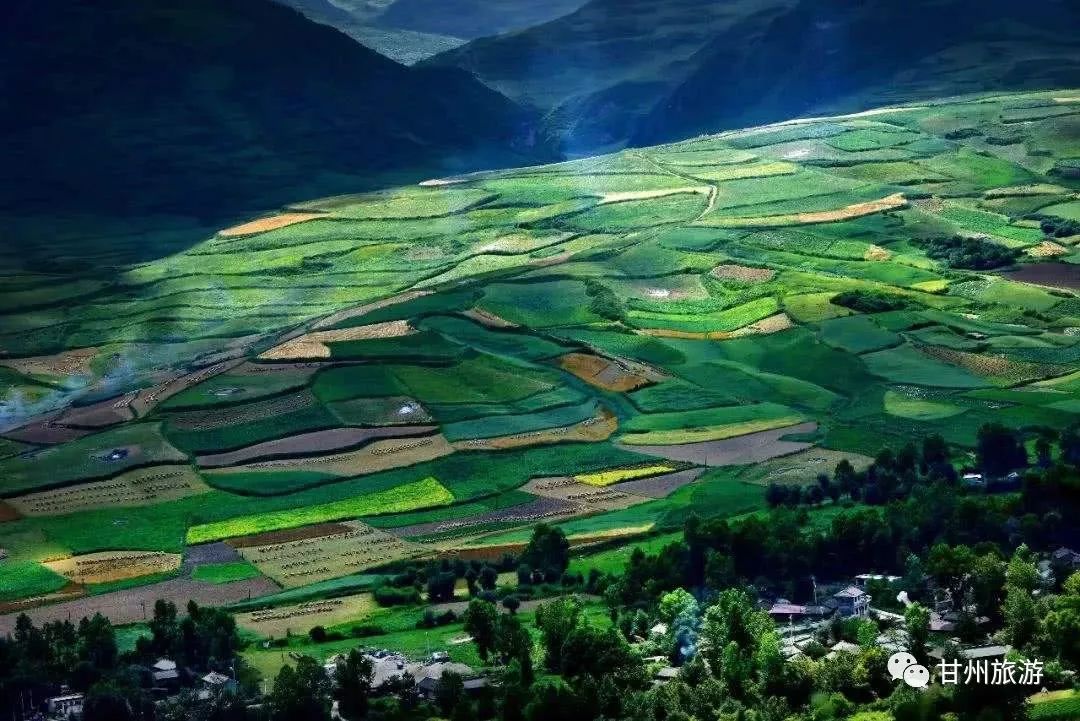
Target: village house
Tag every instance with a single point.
(68, 706)
(852, 601)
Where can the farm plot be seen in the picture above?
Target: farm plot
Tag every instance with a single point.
(335, 439)
(60, 365)
(698, 434)
(384, 411)
(660, 486)
(141, 487)
(244, 383)
(380, 455)
(611, 374)
(588, 498)
(907, 365)
(846, 212)
(262, 225)
(742, 273)
(108, 566)
(750, 448)
(149, 398)
(597, 428)
(800, 468)
(856, 334)
(316, 344)
(617, 475)
(544, 509)
(910, 405)
(353, 548)
(299, 618)
(99, 415)
(95, 456)
(424, 493)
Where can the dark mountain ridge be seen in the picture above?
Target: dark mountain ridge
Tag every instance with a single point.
(218, 108)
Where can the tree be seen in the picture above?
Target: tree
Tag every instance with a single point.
(449, 692)
(1021, 579)
(489, 578)
(106, 702)
(480, 620)
(556, 619)
(511, 603)
(589, 650)
(547, 551)
(512, 641)
(163, 628)
(553, 700)
(300, 694)
(352, 685)
(917, 621)
(738, 640)
(97, 642)
(1069, 444)
(999, 450)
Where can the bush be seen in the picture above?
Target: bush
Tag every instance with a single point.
(366, 631)
(864, 301)
(318, 634)
(967, 253)
(391, 596)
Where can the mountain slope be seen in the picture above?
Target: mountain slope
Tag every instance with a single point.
(471, 19)
(213, 108)
(635, 71)
(838, 55)
(596, 70)
(356, 20)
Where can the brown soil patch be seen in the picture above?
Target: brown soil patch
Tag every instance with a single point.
(8, 513)
(855, 210)
(485, 318)
(361, 310)
(1047, 249)
(141, 487)
(133, 605)
(1054, 275)
(877, 253)
(594, 498)
(538, 509)
(620, 376)
(742, 273)
(299, 618)
(356, 547)
(484, 553)
(590, 430)
(262, 225)
(107, 566)
(99, 415)
(317, 530)
(70, 362)
(660, 486)
(335, 439)
(749, 448)
(315, 345)
(378, 456)
(45, 431)
(985, 364)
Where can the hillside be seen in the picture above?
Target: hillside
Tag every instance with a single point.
(840, 56)
(642, 72)
(218, 108)
(357, 20)
(604, 344)
(470, 19)
(596, 71)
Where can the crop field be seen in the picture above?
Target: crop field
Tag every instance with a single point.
(352, 547)
(605, 344)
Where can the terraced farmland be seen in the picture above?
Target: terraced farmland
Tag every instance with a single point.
(605, 345)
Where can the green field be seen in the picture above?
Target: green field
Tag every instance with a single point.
(669, 266)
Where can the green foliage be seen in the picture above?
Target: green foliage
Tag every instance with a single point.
(967, 253)
(869, 301)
